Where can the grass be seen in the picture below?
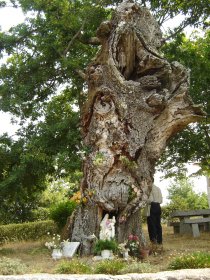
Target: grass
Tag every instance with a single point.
(37, 258)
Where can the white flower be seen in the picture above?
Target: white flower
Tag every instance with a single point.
(55, 243)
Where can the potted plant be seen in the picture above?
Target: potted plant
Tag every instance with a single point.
(144, 252)
(133, 245)
(55, 246)
(105, 247)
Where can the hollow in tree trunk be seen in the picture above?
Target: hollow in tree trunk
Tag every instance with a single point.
(137, 101)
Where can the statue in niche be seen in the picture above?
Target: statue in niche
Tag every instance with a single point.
(107, 226)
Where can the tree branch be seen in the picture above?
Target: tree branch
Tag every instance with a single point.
(81, 74)
(91, 41)
(178, 29)
(73, 39)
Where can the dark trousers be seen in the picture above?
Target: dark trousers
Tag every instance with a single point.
(154, 223)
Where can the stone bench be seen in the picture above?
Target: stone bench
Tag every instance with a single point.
(191, 221)
(175, 225)
(194, 224)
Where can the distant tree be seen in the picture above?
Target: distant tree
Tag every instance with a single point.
(182, 196)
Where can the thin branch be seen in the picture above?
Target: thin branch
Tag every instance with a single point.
(163, 19)
(73, 39)
(91, 41)
(178, 30)
(81, 74)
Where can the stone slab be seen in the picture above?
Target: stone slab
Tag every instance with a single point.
(70, 249)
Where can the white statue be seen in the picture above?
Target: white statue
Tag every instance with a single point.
(107, 228)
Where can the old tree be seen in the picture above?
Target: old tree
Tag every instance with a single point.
(137, 101)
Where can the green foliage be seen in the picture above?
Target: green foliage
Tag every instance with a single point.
(57, 191)
(41, 214)
(18, 209)
(112, 267)
(22, 178)
(138, 267)
(26, 231)
(193, 143)
(191, 261)
(183, 197)
(99, 158)
(11, 266)
(61, 211)
(105, 245)
(73, 266)
(56, 33)
(131, 164)
(196, 13)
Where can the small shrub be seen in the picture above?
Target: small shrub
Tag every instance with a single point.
(73, 267)
(106, 244)
(6, 251)
(195, 260)
(61, 211)
(26, 231)
(138, 267)
(11, 266)
(41, 214)
(110, 267)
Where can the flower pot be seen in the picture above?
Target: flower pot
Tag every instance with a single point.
(144, 253)
(106, 254)
(56, 254)
(125, 255)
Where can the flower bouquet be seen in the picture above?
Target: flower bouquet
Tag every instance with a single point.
(55, 243)
(55, 246)
(133, 245)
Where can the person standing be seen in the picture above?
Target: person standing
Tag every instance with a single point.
(154, 216)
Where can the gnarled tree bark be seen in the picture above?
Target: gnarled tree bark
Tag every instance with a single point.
(137, 101)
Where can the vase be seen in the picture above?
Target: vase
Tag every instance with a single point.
(56, 254)
(106, 254)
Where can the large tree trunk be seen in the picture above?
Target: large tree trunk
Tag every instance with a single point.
(137, 101)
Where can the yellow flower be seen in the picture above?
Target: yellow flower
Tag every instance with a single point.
(84, 200)
(76, 197)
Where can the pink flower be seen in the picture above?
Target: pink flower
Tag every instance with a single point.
(135, 237)
(130, 237)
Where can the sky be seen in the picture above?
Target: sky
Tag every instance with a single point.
(10, 17)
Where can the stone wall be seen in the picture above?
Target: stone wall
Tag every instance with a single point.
(186, 274)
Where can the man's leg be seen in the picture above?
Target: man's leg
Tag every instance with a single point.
(159, 230)
(151, 228)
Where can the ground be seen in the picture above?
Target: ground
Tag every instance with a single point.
(38, 258)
